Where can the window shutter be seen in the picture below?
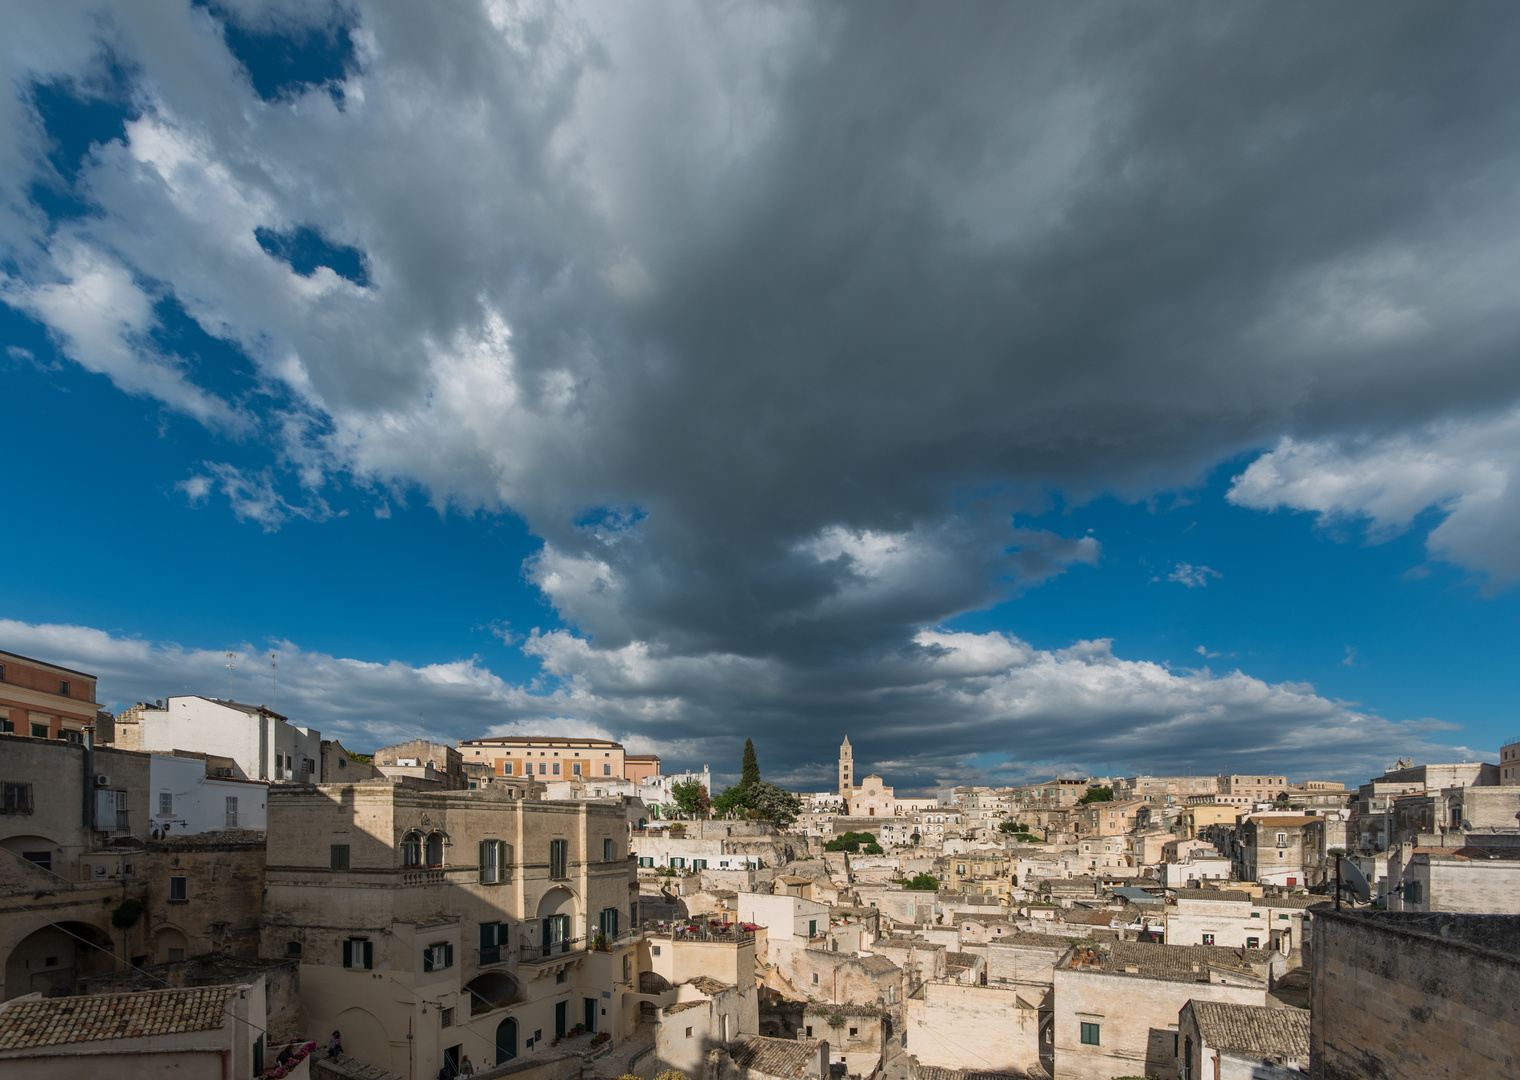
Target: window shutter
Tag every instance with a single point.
(427, 958)
(482, 862)
(448, 954)
(369, 955)
(348, 952)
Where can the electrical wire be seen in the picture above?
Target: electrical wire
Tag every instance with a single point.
(111, 953)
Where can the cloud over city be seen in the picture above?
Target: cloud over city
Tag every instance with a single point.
(776, 324)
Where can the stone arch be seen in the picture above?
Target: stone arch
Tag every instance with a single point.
(557, 919)
(50, 959)
(491, 990)
(167, 938)
(652, 982)
(433, 848)
(411, 848)
(506, 1041)
(363, 1035)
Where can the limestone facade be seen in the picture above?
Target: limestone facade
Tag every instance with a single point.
(465, 919)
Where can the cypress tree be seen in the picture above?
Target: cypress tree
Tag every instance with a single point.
(751, 773)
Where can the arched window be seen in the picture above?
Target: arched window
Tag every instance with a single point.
(411, 850)
(435, 849)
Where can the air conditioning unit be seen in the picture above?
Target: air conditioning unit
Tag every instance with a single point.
(102, 780)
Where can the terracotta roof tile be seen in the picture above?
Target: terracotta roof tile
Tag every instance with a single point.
(1253, 1029)
(91, 1018)
(786, 1058)
(708, 985)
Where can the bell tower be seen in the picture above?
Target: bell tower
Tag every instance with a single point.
(846, 772)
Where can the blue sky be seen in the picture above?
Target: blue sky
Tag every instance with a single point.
(510, 373)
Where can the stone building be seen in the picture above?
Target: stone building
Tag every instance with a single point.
(1405, 996)
(262, 744)
(1223, 1041)
(1241, 790)
(1509, 763)
(45, 701)
(1108, 818)
(1466, 880)
(423, 759)
(1116, 1004)
(550, 757)
(72, 824)
(952, 1025)
(433, 924)
(1281, 849)
(1164, 790)
(1237, 920)
(1196, 817)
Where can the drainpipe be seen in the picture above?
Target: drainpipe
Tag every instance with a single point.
(89, 779)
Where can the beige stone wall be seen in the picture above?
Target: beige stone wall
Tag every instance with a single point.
(1136, 1018)
(224, 878)
(976, 1028)
(1392, 998)
(403, 910)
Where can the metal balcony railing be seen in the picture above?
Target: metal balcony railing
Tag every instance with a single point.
(534, 954)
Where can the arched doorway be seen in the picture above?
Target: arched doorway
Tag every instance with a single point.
(49, 960)
(169, 945)
(506, 1041)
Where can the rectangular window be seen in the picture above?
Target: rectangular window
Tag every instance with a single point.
(43, 859)
(607, 923)
(39, 731)
(7, 726)
(16, 798)
(165, 804)
(339, 857)
(1089, 1034)
(445, 1017)
(809, 1030)
(506, 768)
(646, 860)
(121, 810)
(607, 850)
(1208, 939)
(575, 768)
(179, 888)
(606, 769)
(1253, 943)
(556, 768)
(63, 687)
(231, 811)
(542, 768)
(359, 953)
(1412, 892)
(176, 955)
(493, 861)
(493, 939)
(438, 956)
(559, 858)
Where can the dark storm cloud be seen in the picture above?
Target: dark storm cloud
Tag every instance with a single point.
(772, 320)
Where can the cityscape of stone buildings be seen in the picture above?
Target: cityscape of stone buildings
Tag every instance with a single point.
(205, 887)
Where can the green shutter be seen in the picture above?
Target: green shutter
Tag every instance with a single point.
(369, 955)
(348, 952)
(448, 954)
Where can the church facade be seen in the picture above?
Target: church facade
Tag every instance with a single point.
(872, 798)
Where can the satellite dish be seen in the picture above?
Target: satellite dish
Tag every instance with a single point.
(1354, 881)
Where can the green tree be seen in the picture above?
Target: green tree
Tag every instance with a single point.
(124, 918)
(734, 800)
(872, 849)
(922, 881)
(1097, 794)
(851, 841)
(691, 797)
(751, 772)
(773, 803)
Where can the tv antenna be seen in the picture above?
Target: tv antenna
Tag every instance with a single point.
(231, 665)
(274, 675)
